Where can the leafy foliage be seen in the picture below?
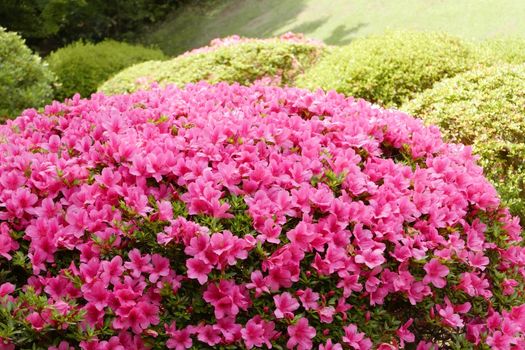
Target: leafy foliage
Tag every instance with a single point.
(242, 62)
(82, 67)
(49, 24)
(484, 108)
(24, 80)
(390, 68)
(502, 50)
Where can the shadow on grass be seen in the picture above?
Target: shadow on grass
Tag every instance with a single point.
(309, 27)
(342, 35)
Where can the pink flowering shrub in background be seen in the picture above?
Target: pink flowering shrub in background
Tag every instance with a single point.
(230, 217)
(232, 40)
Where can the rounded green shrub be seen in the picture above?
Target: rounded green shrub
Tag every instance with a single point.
(484, 108)
(243, 63)
(81, 67)
(503, 50)
(24, 80)
(392, 67)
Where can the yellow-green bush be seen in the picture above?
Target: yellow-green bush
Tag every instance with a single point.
(503, 50)
(484, 108)
(242, 63)
(24, 80)
(82, 67)
(392, 67)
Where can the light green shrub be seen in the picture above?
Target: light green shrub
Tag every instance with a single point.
(484, 108)
(392, 67)
(242, 63)
(82, 67)
(24, 80)
(503, 50)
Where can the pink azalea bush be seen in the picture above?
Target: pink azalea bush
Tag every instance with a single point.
(233, 40)
(230, 217)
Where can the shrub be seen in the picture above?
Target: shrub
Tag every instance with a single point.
(235, 60)
(51, 24)
(484, 108)
(24, 80)
(390, 68)
(82, 67)
(237, 217)
(503, 50)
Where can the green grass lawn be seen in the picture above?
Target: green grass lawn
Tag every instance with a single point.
(335, 21)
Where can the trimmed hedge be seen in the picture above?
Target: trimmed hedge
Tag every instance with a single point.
(24, 80)
(82, 67)
(392, 67)
(484, 108)
(505, 50)
(244, 63)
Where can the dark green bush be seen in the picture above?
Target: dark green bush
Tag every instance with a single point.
(484, 108)
(82, 67)
(50, 24)
(243, 63)
(24, 80)
(392, 67)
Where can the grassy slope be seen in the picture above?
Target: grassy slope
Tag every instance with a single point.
(335, 21)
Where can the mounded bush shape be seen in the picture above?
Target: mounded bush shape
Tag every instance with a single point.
(81, 67)
(484, 108)
(233, 217)
(24, 80)
(390, 68)
(244, 63)
(503, 50)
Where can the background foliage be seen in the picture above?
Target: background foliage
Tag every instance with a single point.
(49, 24)
(24, 80)
(390, 68)
(243, 63)
(82, 67)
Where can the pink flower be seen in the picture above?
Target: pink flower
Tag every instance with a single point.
(508, 286)
(36, 321)
(179, 339)
(227, 298)
(404, 334)
(209, 335)
(308, 298)
(161, 268)
(165, 211)
(21, 200)
(138, 318)
(258, 283)
(6, 289)
(449, 315)
(356, 339)
(7, 244)
(97, 294)
(285, 305)
(475, 285)
(112, 270)
(330, 346)
(258, 332)
(301, 335)
(371, 258)
(435, 273)
(138, 263)
(198, 269)
(499, 341)
(326, 314)
(230, 330)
